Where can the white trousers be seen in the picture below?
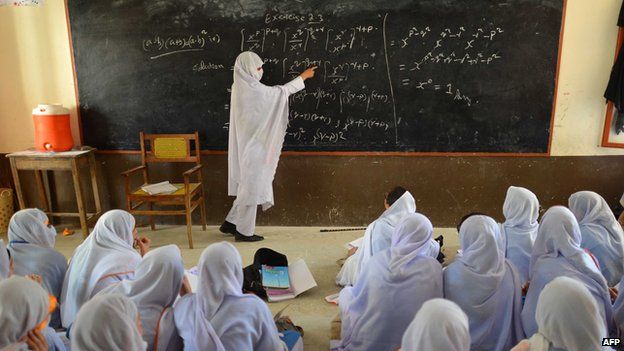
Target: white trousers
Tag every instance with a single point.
(244, 217)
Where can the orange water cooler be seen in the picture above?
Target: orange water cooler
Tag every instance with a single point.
(52, 128)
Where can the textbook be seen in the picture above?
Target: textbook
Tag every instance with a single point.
(159, 188)
(275, 277)
(300, 281)
(355, 243)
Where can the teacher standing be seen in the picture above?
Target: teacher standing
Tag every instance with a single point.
(258, 122)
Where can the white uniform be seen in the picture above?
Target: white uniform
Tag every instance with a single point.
(258, 122)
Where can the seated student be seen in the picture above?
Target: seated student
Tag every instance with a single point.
(377, 237)
(31, 242)
(500, 239)
(601, 234)
(25, 309)
(557, 252)
(396, 282)
(240, 321)
(618, 311)
(6, 262)
(105, 257)
(521, 211)
(156, 285)
(439, 325)
(567, 319)
(107, 323)
(486, 286)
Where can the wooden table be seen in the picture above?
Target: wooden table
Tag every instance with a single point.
(74, 161)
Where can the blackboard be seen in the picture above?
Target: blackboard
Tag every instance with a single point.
(394, 75)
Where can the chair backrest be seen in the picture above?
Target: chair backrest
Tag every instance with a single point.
(170, 148)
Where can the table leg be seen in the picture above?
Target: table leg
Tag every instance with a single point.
(42, 190)
(96, 192)
(79, 199)
(18, 185)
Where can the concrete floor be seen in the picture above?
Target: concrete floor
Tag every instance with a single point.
(319, 250)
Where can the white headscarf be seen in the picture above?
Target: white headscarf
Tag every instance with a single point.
(378, 237)
(23, 306)
(31, 243)
(28, 227)
(107, 323)
(601, 233)
(240, 321)
(5, 261)
(567, 318)
(521, 211)
(557, 252)
(439, 325)
(258, 122)
(396, 282)
(107, 251)
(486, 286)
(156, 285)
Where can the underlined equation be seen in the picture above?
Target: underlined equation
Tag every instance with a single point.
(158, 46)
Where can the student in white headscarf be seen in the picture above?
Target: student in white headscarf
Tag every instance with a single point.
(567, 318)
(601, 234)
(378, 236)
(376, 311)
(240, 321)
(258, 121)
(6, 262)
(439, 325)
(104, 258)
(521, 211)
(557, 252)
(25, 309)
(107, 322)
(157, 282)
(486, 286)
(31, 243)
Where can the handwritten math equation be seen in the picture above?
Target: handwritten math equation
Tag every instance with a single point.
(364, 70)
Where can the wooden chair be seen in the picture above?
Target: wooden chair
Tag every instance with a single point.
(159, 148)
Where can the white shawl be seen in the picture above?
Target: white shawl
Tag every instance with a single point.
(156, 285)
(396, 282)
(107, 323)
(258, 122)
(556, 253)
(241, 322)
(567, 319)
(106, 252)
(601, 233)
(24, 305)
(439, 325)
(31, 243)
(377, 238)
(486, 286)
(521, 211)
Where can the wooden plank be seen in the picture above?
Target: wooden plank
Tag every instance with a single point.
(94, 185)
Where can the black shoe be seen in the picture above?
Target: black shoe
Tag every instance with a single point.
(228, 228)
(240, 237)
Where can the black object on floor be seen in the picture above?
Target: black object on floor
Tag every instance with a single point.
(252, 274)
